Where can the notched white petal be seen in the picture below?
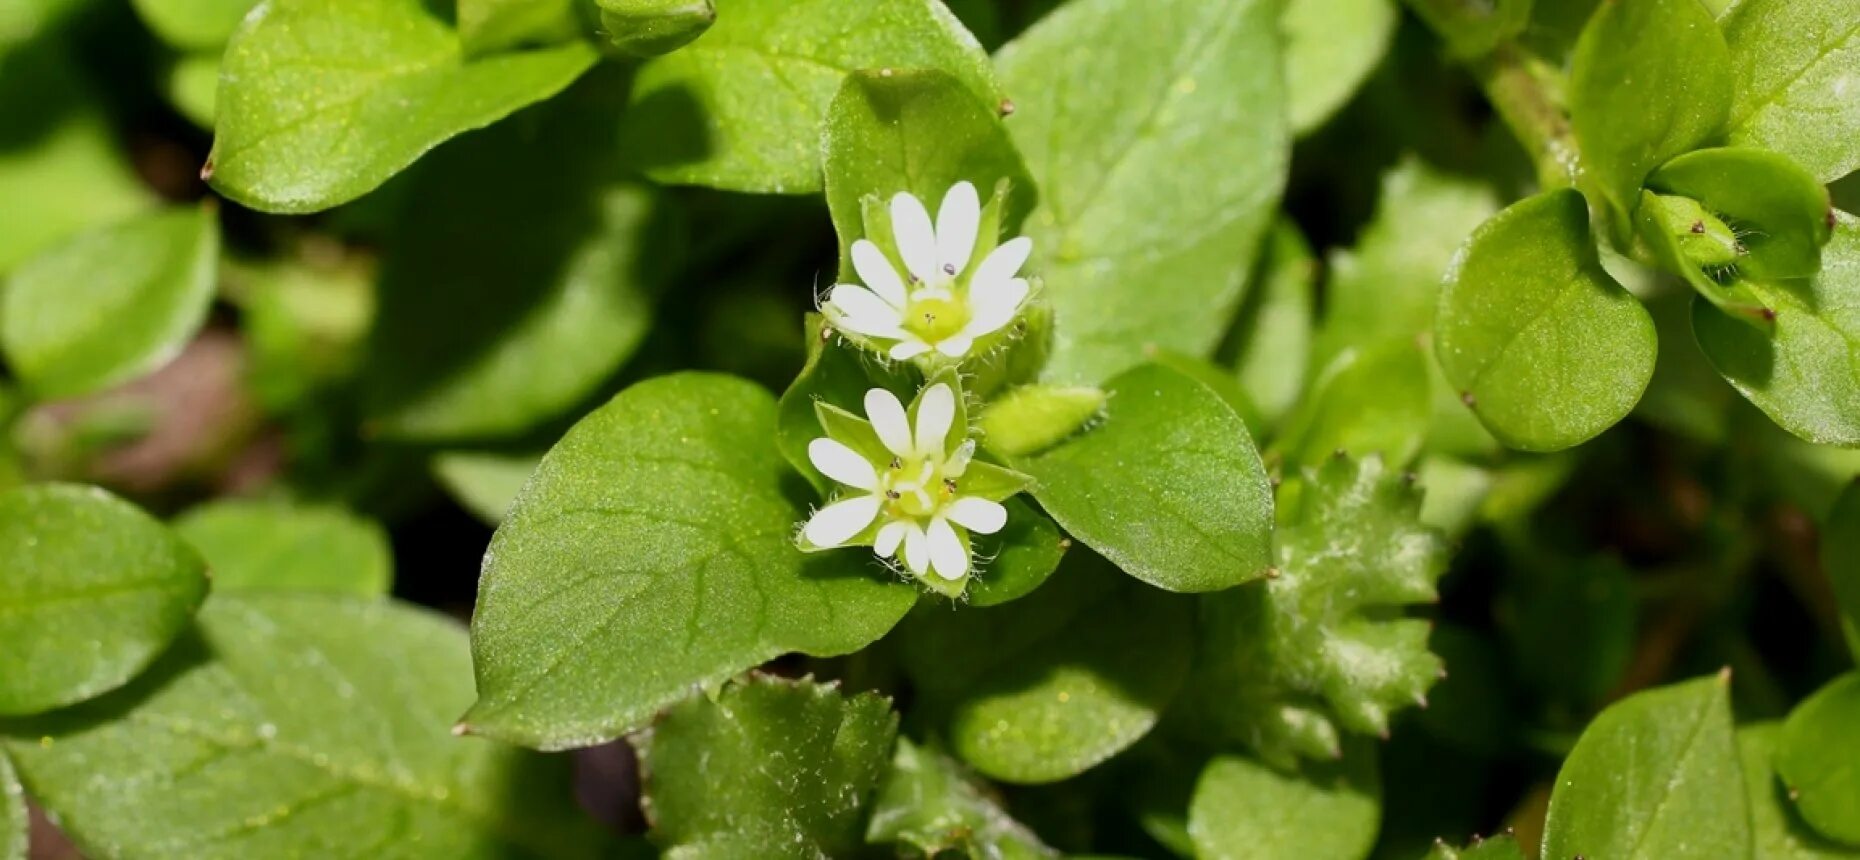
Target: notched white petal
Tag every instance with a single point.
(888, 419)
(910, 224)
(948, 557)
(908, 348)
(994, 307)
(916, 549)
(841, 463)
(890, 537)
(977, 514)
(936, 409)
(875, 269)
(957, 222)
(836, 524)
(955, 346)
(1002, 263)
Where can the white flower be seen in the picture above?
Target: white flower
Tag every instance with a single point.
(916, 490)
(941, 302)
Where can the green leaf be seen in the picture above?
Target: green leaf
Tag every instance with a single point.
(192, 85)
(313, 110)
(544, 270)
(1168, 486)
(14, 825)
(1571, 624)
(1276, 324)
(485, 482)
(1805, 374)
(1781, 215)
(95, 590)
(1032, 418)
(62, 171)
(297, 724)
(1473, 30)
(1242, 808)
(1285, 665)
(1654, 776)
(1816, 753)
(489, 26)
(916, 131)
(111, 304)
(651, 552)
(1378, 401)
(836, 374)
(1388, 285)
(771, 768)
(1331, 46)
(268, 545)
(741, 108)
(193, 24)
(1840, 557)
(1794, 61)
(1160, 155)
(930, 803)
(1777, 829)
(1650, 79)
(648, 28)
(1543, 345)
(1050, 685)
(1017, 559)
(1503, 847)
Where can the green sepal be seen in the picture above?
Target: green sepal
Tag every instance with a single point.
(992, 482)
(855, 432)
(1031, 418)
(1682, 235)
(648, 28)
(1779, 213)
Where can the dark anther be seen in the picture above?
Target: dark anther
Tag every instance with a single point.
(892, 495)
(896, 463)
(949, 484)
(1698, 226)
(949, 268)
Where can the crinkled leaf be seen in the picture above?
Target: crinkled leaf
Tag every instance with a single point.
(542, 263)
(14, 825)
(1840, 557)
(1287, 665)
(741, 107)
(1649, 80)
(111, 304)
(314, 107)
(770, 768)
(297, 725)
(1242, 808)
(1160, 154)
(1275, 328)
(194, 24)
(917, 131)
(1805, 373)
(1377, 401)
(1054, 683)
(1776, 828)
(1818, 757)
(94, 591)
(1168, 486)
(1654, 776)
(930, 803)
(484, 482)
(1795, 61)
(652, 552)
(62, 170)
(279, 546)
(1543, 345)
(1331, 46)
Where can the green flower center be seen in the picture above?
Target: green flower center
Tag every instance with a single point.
(937, 316)
(915, 489)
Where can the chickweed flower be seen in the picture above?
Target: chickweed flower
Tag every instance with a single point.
(911, 486)
(956, 287)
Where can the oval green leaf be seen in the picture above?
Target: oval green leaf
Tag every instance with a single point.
(314, 96)
(1242, 808)
(1160, 154)
(111, 304)
(1805, 373)
(650, 553)
(192, 25)
(1275, 326)
(931, 803)
(1168, 486)
(1331, 46)
(1543, 345)
(280, 546)
(94, 590)
(1649, 80)
(291, 725)
(1777, 829)
(1795, 62)
(1374, 401)
(1654, 777)
(1818, 757)
(741, 108)
(772, 768)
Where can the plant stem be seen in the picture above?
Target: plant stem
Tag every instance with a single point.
(1527, 94)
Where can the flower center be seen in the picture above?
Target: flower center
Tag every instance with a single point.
(935, 314)
(915, 489)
